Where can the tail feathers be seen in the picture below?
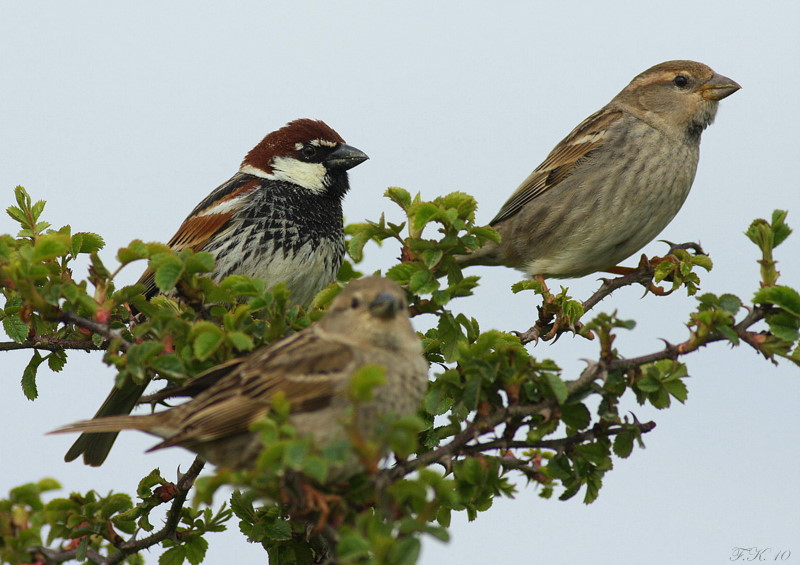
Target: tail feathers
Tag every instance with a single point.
(95, 447)
(149, 424)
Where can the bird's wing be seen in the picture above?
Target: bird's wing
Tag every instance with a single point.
(561, 162)
(208, 219)
(305, 368)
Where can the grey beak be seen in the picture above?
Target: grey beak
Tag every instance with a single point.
(719, 87)
(345, 157)
(385, 305)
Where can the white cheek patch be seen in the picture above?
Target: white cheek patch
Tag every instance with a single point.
(308, 175)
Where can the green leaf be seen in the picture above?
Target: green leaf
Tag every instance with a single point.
(648, 384)
(56, 360)
(242, 506)
(533, 285)
(168, 273)
(779, 228)
(169, 365)
(144, 488)
(279, 530)
(405, 551)
(173, 556)
(451, 335)
(785, 326)
(17, 215)
(207, 339)
(423, 282)
(420, 214)
(623, 444)
(663, 270)
(487, 233)
(558, 386)
(363, 383)
(201, 262)
(50, 246)
(783, 296)
(677, 388)
(402, 272)
(730, 303)
(576, 416)
(196, 547)
(241, 341)
(87, 242)
(436, 402)
(399, 196)
(29, 376)
(352, 546)
(16, 328)
(703, 261)
(135, 251)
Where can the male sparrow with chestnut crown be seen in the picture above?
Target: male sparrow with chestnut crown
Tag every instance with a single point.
(615, 182)
(279, 219)
(367, 324)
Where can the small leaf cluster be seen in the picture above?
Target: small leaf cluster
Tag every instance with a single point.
(425, 260)
(678, 268)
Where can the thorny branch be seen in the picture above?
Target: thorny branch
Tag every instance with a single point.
(103, 330)
(460, 443)
(169, 530)
(549, 325)
(50, 343)
(133, 545)
(694, 343)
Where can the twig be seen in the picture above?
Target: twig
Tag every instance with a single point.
(49, 343)
(756, 314)
(559, 445)
(53, 557)
(103, 330)
(530, 470)
(169, 530)
(642, 274)
(480, 426)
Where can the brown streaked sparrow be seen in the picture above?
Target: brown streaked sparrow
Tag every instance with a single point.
(614, 182)
(279, 219)
(367, 324)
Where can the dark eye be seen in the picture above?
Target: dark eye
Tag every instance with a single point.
(309, 151)
(680, 81)
(355, 302)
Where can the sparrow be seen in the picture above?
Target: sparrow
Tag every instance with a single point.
(614, 182)
(279, 218)
(367, 324)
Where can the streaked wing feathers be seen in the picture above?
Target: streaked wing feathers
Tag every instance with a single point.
(207, 220)
(306, 368)
(561, 162)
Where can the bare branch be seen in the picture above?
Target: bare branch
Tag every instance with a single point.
(559, 445)
(49, 343)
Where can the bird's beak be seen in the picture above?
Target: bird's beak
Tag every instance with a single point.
(345, 157)
(385, 305)
(718, 87)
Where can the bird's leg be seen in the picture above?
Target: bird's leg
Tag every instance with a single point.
(316, 501)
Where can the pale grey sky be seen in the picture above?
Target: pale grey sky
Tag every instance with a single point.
(124, 116)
